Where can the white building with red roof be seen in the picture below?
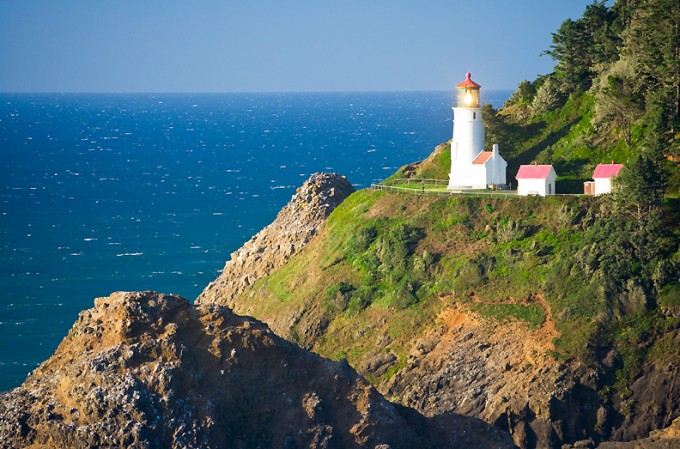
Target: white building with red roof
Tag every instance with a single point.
(536, 180)
(603, 175)
(471, 166)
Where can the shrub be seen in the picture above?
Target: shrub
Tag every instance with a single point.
(670, 295)
(548, 97)
(363, 239)
(338, 296)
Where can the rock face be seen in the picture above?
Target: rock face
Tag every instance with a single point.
(668, 438)
(501, 374)
(145, 370)
(295, 225)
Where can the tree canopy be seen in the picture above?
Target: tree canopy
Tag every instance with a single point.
(614, 91)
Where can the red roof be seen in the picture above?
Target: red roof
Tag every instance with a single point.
(482, 157)
(533, 172)
(607, 170)
(468, 83)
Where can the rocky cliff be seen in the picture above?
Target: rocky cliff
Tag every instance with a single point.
(668, 438)
(457, 352)
(507, 375)
(145, 370)
(295, 225)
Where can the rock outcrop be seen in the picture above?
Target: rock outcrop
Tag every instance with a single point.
(501, 374)
(505, 375)
(144, 370)
(295, 225)
(668, 438)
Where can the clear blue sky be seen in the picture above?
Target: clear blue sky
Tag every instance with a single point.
(274, 45)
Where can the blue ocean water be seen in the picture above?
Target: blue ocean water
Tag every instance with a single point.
(100, 193)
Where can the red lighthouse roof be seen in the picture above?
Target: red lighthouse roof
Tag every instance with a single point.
(468, 83)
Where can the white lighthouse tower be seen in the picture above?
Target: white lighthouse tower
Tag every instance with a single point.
(471, 166)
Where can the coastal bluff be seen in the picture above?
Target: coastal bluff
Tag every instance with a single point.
(480, 336)
(146, 370)
(295, 225)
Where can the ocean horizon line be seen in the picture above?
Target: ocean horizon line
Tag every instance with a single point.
(240, 92)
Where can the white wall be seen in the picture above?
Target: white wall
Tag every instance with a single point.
(467, 176)
(603, 185)
(496, 168)
(540, 187)
(468, 133)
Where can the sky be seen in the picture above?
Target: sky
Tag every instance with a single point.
(274, 45)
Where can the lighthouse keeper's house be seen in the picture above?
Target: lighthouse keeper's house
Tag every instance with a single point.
(536, 180)
(603, 175)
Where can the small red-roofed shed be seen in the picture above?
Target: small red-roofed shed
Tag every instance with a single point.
(536, 180)
(603, 175)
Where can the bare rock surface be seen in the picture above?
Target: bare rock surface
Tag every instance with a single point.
(505, 375)
(668, 438)
(501, 374)
(145, 370)
(295, 225)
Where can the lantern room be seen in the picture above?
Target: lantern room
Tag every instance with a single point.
(467, 93)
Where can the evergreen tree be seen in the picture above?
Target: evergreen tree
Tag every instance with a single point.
(652, 38)
(617, 102)
(579, 45)
(640, 188)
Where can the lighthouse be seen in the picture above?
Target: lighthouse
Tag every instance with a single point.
(471, 166)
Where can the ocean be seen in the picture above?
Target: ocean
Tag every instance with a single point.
(103, 192)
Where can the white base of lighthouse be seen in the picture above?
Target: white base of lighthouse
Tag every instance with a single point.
(486, 170)
(467, 177)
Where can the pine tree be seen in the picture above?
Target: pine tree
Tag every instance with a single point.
(580, 45)
(640, 188)
(652, 38)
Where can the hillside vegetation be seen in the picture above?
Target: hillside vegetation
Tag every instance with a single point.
(606, 278)
(594, 287)
(614, 94)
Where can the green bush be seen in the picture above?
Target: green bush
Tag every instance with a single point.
(363, 239)
(670, 295)
(338, 296)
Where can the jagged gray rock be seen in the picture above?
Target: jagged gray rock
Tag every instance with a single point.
(295, 225)
(144, 370)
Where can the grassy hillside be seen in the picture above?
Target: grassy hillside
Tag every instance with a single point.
(436, 166)
(398, 260)
(600, 276)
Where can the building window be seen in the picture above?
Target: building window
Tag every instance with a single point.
(474, 116)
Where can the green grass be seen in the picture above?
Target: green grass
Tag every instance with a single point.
(532, 314)
(384, 261)
(435, 166)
